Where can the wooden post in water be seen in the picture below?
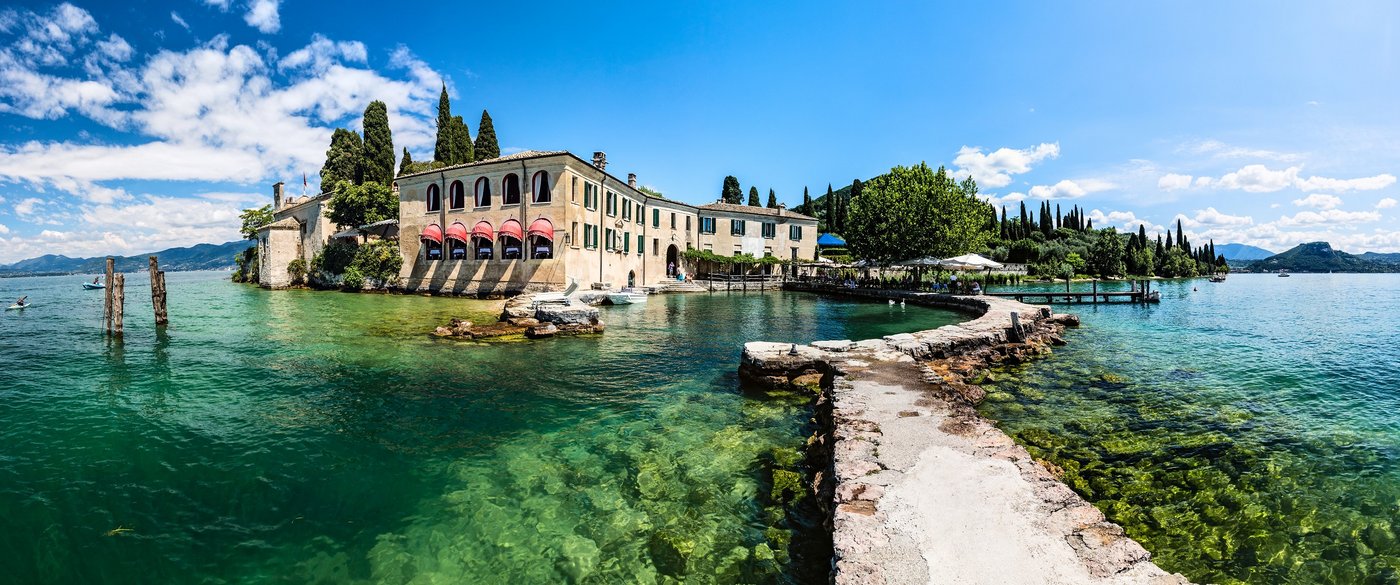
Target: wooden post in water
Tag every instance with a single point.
(107, 297)
(1096, 290)
(118, 303)
(1016, 334)
(158, 292)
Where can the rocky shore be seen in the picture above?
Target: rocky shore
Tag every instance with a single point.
(921, 489)
(523, 316)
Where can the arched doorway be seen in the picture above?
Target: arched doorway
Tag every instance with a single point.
(631, 279)
(673, 261)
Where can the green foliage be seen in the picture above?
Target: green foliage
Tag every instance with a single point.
(486, 147)
(1177, 264)
(405, 162)
(332, 260)
(829, 218)
(353, 280)
(355, 205)
(772, 199)
(343, 160)
(421, 166)
(731, 192)
(913, 212)
(806, 203)
(246, 266)
(297, 270)
(378, 145)
(254, 219)
(442, 147)
(378, 262)
(753, 197)
(461, 142)
(1107, 255)
(651, 192)
(695, 255)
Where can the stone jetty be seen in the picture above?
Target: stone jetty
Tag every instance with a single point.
(921, 489)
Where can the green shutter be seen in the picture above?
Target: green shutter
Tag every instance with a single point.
(641, 244)
(626, 245)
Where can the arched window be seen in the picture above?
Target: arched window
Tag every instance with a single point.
(539, 188)
(434, 198)
(456, 196)
(541, 238)
(483, 192)
(511, 238)
(510, 190)
(482, 239)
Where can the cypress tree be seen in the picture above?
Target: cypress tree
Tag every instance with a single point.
(830, 209)
(461, 142)
(1025, 223)
(1003, 223)
(772, 199)
(379, 145)
(1058, 219)
(442, 149)
(1142, 234)
(342, 160)
(806, 202)
(486, 147)
(405, 161)
(730, 193)
(753, 197)
(1089, 226)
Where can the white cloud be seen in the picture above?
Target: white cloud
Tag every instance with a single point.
(1386, 203)
(175, 16)
(1221, 150)
(115, 48)
(1331, 217)
(1127, 220)
(994, 169)
(262, 15)
(222, 5)
(1210, 216)
(1067, 189)
(1361, 184)
(1259, 178)
(1173, 181)
(50, 38)
(1319, 201)
(998, 201)
(3, 229)
(322, 54)
(26, 207)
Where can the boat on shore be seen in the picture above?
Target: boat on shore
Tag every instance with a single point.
(627, 296)
(1218, 278)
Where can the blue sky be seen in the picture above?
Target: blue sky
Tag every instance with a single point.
(130, 127)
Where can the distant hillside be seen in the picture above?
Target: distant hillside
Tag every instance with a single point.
(198, 257)
(1319, 257)
(1234, 252)
(1379, 257)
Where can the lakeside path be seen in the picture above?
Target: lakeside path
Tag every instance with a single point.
(920, 488)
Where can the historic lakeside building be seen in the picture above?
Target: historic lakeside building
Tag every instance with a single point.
(534, 221)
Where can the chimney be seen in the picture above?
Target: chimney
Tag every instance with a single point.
(632, 180)
(277, 195)
(600, 160)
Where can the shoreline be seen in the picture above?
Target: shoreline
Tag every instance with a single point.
(918, 486)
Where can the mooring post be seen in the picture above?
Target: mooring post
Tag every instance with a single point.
(107, 297)
(158, 292)
(1016, 334)
(1096, 290)
(119, 303)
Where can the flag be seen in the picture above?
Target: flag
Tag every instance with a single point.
(303, 180)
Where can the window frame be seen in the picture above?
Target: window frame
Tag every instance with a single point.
(535, 198)
(433, 193)
(737, 227)
(481, 184)
(511, 179)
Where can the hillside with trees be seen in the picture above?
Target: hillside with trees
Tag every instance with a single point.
(1322, 257)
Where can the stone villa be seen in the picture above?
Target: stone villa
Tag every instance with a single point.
(533, 221)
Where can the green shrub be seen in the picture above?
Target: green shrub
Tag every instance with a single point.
(352, 280)
(378, 262)
(333, 259)
(297, 270)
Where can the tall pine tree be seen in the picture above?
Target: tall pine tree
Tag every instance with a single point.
(343, 160)
(461, 142)
(442, 149)
(379, 145)
(405, 161)
(486, 147)
(830, 210)
(806, 202)
(753, 197)
(772, 199)
(731, 192)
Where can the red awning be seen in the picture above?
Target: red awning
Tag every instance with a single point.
(457, 231)
(482, 229)
(432, 232)
(542, 228)
(512, 228)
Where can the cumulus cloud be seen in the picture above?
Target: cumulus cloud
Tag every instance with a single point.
(1329, 217)
(1127, 220)
(26, 207)
(1210, 216)
(1173, 181)
(262, 15)
(4, 229)
(1067, 189)
(1257, 178)
(1386, 203)
(1319, 201)
(994, 169)
(322, 54)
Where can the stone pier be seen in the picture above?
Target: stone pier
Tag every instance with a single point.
(919, 487)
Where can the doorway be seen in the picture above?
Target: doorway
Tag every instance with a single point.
(673, 261)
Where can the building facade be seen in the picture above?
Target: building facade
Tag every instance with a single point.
(535, 221)
(299, 229)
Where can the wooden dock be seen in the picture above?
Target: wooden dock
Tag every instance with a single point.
(1140, 293)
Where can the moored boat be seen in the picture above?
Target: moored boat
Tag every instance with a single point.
(1283, 273)
(93, 286)
(627, 296)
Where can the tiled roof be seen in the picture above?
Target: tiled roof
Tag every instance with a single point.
(730, 207)
(524, 154)
(286, 223)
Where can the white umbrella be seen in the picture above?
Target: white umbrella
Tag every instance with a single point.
(970, 261)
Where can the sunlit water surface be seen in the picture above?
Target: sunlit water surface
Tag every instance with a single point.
(1247, 431)
(307, 437)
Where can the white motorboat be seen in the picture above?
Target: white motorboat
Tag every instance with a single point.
(627, 296)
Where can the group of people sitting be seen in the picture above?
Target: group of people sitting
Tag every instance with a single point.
(952, 286)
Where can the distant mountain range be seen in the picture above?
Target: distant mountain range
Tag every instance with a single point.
(1320, 257)
(198, 257)
(1233, 252)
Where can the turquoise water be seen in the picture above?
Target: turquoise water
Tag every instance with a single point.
(1247, 431)
(310, 437)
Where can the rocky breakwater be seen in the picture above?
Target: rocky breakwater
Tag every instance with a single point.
(523, 316)
(921, 489)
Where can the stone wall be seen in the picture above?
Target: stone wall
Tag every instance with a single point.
(919, 487)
